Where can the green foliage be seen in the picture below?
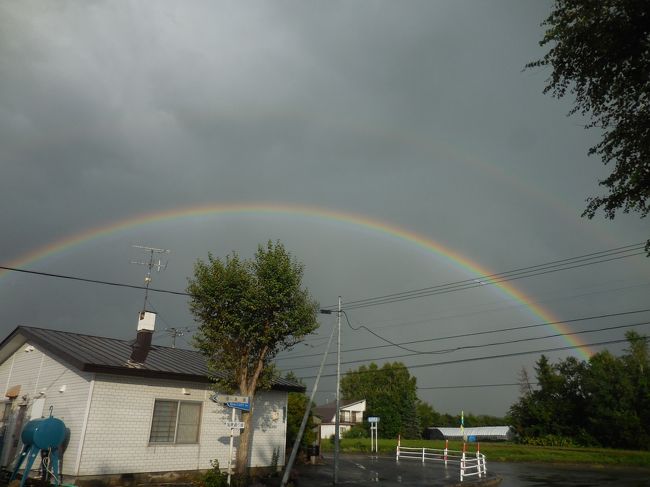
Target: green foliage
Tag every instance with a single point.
(357, 431)
(390, 393)
(601, 402)
(427, 416)
(548, 440)
(248, 311)
(296, 404)
(213, 477)
(599, 55)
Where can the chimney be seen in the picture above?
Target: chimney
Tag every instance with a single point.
(142, 344)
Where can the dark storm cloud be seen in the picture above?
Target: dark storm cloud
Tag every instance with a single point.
(415, 113)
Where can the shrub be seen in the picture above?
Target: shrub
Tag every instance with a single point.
(213, 477)
(357, 431)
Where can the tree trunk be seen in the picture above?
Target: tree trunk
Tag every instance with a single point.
(245, 439)
(248, 389)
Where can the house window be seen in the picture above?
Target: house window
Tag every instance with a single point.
(175, 422)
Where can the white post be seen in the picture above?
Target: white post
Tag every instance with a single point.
(422, 454)
(462, 466)
(446, 451)
(232, 433)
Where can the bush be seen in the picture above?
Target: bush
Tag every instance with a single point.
(213, 477)
(548, 440)
(357, 431)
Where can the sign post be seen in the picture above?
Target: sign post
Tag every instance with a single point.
(374, 440)
(233, 402)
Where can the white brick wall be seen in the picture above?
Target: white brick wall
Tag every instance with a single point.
(119, 418)
(37, 372)
(119, 424)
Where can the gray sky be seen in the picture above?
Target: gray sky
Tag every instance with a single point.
(416, 114)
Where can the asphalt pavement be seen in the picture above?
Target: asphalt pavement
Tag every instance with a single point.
(384, 470)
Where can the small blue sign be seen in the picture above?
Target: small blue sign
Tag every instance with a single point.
(243, 406)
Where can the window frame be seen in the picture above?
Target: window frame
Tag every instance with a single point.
(179, 403)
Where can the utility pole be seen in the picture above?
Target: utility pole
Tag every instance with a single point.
(337, 424)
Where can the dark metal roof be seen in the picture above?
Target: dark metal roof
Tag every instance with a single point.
(329, 410)
(110, 355)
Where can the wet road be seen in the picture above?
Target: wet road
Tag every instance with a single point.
(537, 475)
(365, 470)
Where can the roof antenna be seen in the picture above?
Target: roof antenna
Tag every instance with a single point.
(151, 264)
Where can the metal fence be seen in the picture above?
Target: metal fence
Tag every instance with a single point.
(470, 464)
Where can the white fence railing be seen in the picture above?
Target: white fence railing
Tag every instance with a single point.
(470, 465)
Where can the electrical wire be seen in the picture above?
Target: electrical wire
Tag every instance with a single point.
(496, 278)
(390, 357)
(93, 281)
(489, 357)
(474, 386)
(413, 294)
(487, 332)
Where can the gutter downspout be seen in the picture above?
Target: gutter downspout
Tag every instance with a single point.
(84, 427)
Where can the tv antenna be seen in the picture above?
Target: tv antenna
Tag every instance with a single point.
(177, 332)
(154, 263)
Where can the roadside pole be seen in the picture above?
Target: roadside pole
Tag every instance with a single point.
(233, 402)
(305, 417)
(374, 436)
(232, 438)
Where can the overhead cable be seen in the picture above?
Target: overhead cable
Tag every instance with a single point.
(487, 357)
(485, 332)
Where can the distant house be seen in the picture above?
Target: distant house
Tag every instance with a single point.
(483, 433)
(130, 407)
(351, 413)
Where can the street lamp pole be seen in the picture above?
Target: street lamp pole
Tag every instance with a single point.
(337, 424)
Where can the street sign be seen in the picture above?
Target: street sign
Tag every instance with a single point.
(235, 424)
(224, 398)
(243, 406)
(373, 419)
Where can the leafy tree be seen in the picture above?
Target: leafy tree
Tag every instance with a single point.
(427, 416)
(390, 393)
(556, 408)
(604, 401)
(248, 311)
(599, 54)
(297, 402)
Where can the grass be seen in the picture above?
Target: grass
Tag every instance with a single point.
(511, 452)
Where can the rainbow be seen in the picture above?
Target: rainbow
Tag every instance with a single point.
(258, 209)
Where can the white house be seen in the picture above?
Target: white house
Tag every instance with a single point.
(126, 416)
(351, 413)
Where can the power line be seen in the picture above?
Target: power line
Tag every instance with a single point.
(474, 386)
(496, 278)
(464, 386)
(93, 281)
(487, 357)
(483, 345)
(486, 332)
(407, 295)
(556, 263)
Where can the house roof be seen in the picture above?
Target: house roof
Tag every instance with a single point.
(329, 410)
(110, 355)
(501, 431)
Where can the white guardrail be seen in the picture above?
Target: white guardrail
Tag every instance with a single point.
(471, 465)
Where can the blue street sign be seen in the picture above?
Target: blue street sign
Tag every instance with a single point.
(243, 406)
